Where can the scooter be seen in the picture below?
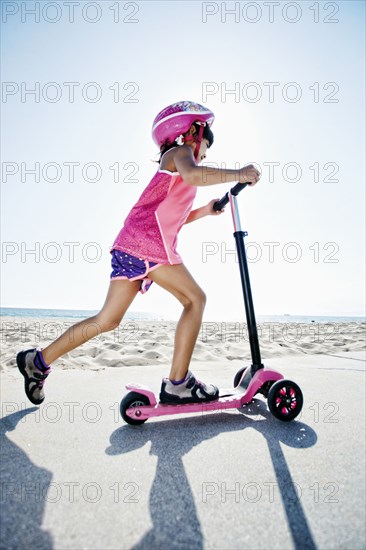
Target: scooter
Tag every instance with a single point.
(284, 397)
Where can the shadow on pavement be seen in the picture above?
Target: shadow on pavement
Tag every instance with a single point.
(172, 506)
(23, 489)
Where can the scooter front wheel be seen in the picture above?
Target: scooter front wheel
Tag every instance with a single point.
(130, 400)
(238, 376)
(285, 400)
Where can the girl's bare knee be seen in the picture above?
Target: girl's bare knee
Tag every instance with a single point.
(106, 324)
(202, 299)
(197, 300)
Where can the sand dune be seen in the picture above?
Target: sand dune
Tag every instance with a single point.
(151, 343)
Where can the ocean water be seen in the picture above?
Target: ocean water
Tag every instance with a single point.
(308, 319)
(145, 316)
(71, 313)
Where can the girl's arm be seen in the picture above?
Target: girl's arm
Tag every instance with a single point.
(204, 211)
(205, 175)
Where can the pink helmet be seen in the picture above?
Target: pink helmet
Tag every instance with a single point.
(175, 120)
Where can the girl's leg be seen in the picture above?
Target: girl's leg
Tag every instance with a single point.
(120, 295)
(177, 280)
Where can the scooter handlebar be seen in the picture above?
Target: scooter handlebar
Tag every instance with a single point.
(219, 205)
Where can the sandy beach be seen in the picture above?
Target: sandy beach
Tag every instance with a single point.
(144, 343)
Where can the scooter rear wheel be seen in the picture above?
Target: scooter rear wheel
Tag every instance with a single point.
(130, 400)
(285, 400)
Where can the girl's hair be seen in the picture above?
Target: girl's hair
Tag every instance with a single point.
(207, 134)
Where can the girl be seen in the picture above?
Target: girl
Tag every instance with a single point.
(144, 251)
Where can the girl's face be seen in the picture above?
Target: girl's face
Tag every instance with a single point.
(202, 151)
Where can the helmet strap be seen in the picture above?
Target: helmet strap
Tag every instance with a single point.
(197, 140)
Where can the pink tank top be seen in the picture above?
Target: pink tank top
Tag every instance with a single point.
(151, 228)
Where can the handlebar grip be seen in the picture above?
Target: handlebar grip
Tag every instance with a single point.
(219, 205)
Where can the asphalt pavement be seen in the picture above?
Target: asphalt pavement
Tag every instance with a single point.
(75, 476)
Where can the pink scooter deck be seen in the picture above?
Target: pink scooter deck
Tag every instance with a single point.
(234, 401)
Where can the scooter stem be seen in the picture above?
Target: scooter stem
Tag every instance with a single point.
(245, 281)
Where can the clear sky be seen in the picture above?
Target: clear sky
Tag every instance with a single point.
(295, 71)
